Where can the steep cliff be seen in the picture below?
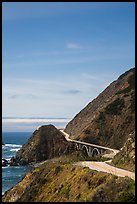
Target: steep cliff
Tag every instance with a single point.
(59, 180)
(45, 143)
(109, 118)
(126, 157)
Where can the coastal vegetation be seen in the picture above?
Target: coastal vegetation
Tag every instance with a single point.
(61, 180)
(115, 107)
(126, 157)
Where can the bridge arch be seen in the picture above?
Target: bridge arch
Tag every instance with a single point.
(85, 150)
(77, 146)
(94, 152)
(89, 150)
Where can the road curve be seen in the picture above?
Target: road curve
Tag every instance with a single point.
(102, 166)
(115, 151)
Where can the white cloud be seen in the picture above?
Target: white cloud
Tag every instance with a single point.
(73, 46)
(72, 91)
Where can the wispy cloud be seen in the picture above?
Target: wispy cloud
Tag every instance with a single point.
(13, 96)
(73, 46)
(59, 94)
(72, 91)
(28, 96)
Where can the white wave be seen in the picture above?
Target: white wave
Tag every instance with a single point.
(13, 145)
(4, 167)
(8, 159)
(15, 150)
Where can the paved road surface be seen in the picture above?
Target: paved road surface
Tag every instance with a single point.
(102, 166)
(113, 151)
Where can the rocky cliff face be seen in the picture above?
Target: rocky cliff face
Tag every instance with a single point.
(45, 143)
(126, 157)
(109, 118)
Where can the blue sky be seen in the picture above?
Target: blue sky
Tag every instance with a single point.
(57, 57)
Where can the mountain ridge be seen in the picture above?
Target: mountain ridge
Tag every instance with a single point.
(101, 118)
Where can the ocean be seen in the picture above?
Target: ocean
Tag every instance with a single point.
(13, 141)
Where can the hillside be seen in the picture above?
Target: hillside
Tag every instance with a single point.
(126, 157)
(45, 143)
(109, 118)
(60, 180)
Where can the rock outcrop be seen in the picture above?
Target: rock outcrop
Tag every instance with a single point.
(46, 142)
(4, 162)
(11, 162)
(126, 157)
(109, 118)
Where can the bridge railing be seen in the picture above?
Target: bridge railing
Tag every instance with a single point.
(91, 145)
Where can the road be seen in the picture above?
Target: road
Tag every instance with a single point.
(113, 151)
(102, 166)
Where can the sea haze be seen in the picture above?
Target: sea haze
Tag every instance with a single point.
(30, 124)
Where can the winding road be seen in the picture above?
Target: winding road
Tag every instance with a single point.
(113, 151)
(102, 166)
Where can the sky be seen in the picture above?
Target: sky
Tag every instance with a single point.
(57, 57)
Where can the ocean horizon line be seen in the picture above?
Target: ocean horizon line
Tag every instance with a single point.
(35, 117)
(32, 120)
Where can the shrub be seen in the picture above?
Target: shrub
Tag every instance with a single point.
(87, 132)
(126, 197)
(65, 191)
(132, 106)
(101, 118)
(58, 169)
(131, 81)
(115, 107)
(90, 140)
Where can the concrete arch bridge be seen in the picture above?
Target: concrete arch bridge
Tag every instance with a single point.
(92, 149)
